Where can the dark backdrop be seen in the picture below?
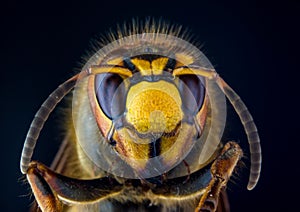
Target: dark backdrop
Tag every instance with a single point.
(252, 44)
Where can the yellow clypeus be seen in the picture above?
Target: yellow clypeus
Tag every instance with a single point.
(154, 107)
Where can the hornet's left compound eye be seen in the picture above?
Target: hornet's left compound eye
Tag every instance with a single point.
(192, 91)
(110, 92)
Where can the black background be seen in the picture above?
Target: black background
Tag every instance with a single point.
(253, 45)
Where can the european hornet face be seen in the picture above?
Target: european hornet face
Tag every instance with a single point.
(148, 114)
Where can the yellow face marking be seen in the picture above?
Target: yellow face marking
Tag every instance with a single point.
(183, 59)
(208, 73)
(116, 61)
(136, 148)
(106, 69)
(142, 65)
(158, 65)
(179, 144)
(154, 107)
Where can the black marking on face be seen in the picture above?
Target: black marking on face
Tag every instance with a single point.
(155, 148)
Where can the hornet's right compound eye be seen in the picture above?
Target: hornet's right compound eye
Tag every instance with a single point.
(110, 92)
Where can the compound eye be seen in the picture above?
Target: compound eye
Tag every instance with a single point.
(110, 93)
(192, 91)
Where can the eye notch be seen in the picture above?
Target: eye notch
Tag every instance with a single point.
(110, 93)
(129, 65)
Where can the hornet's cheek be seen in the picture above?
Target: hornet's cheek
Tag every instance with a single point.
(134, 150)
